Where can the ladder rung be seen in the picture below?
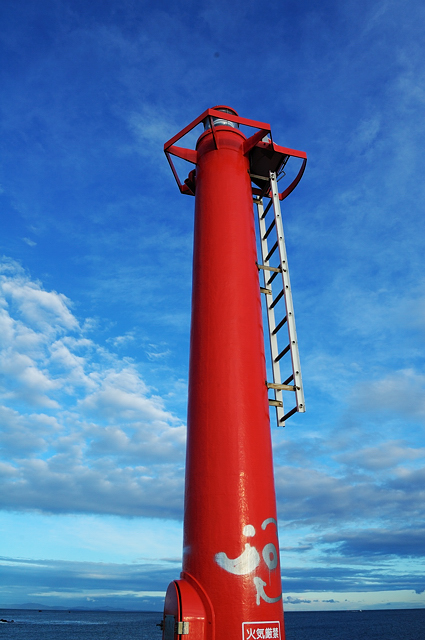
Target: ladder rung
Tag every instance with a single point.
(275, 403)
(282, 353)
(281, 387)
(267, 268)
(276, 300)
(268, 292)
(271, 252)
(273, 224)
(273, 276)
(291, 377)
(279, 326)
(254, 175)
(266, 210)
(289, 414)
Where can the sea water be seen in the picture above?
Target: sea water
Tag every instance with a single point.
(395, 624)
(79, 625)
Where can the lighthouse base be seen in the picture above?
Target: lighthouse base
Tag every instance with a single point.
(185, 613)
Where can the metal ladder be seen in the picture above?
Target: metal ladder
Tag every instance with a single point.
(275, 262)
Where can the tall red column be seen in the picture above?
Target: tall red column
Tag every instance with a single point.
(231, 550)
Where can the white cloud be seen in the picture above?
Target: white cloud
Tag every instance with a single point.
(29, 242)
(39, 309)
(120, 341)
(152, 126)
(386, 455)
(400, 393)
(78, 423)
(365, 135)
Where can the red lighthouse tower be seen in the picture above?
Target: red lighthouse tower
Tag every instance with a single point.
(230, 585)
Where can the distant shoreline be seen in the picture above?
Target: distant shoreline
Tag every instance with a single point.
(44, 608)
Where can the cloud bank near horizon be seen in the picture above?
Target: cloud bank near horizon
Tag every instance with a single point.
(81, 431)
(86, 435)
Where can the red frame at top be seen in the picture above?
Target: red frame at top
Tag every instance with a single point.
(264, 130)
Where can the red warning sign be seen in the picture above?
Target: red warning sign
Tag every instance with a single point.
(261, 631)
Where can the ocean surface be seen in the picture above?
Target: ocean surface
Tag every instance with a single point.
(396, 624)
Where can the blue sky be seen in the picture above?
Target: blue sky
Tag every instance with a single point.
(95, 289)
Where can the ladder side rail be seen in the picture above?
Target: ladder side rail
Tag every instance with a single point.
(274, 348)
(295, 357)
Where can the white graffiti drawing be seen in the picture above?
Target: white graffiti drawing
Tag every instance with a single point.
(270, 556)
(248, 531)
(259, 585)
(243, 564)
(267, 522)
(250, 559)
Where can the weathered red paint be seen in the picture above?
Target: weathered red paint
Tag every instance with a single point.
(231, 549)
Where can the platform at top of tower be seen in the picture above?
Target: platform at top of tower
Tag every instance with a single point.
(263, 158)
